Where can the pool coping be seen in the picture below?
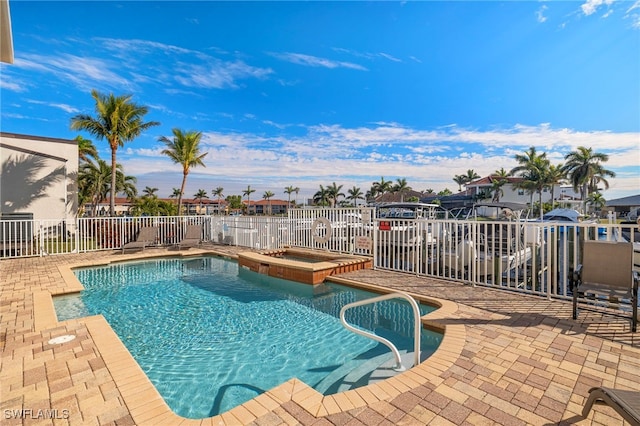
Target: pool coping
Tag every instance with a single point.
(146, 405)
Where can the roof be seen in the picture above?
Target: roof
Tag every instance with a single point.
(632, 200)
(488, 180)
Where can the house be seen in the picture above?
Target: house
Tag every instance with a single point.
(510, 191)
(266, 207)
(39, 176)
(622, 206)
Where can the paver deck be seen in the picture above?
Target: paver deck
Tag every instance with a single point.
(505, 359)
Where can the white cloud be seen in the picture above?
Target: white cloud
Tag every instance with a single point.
(315, 61)
(360, 155)
(64, 107)
(83, 72)
(591, 6)
(540, 13)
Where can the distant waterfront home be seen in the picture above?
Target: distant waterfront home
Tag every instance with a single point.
(266, 207)
(39, 176)
(512, 194)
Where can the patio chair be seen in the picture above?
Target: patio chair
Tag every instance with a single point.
(192, 237)
(625, 402)
(146, 237)
(606, 275)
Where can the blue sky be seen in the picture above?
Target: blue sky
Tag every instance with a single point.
(310, 93)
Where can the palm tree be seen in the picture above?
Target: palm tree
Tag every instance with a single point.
(94, 183)
(381, 187)
(322, 197)
(530, 168)
(150, 192)
(555, 176)
(471, 176)
(86, 149)
(501, 173)
(597, 200)
(290, 190)
(401, 186)
(584, 170)
(218, 192)
(118, 120)
(498, 180)
(184, 149)
(460, 180)
(267, 196)
(355, 194)
(534, 170)
(248, 193)
(176, 193)
(334, 193)
(496, 188)
(199, 196)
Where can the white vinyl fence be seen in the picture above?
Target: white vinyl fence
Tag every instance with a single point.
(529, 257)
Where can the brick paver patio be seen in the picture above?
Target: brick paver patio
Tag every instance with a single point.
(505, 359)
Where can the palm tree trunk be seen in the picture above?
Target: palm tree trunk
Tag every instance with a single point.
(184, 182)
(112, 203)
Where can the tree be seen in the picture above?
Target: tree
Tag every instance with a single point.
(218, 192)
(355, 194)
(248, 193)
(596, 200)
(234, 201)
(199, 196)
(334, 193)
(86, 149)
(460, 180)
(401, 187)
(150, 192)
(584, 170)
(184, 149)
(176, 193)
(533, 169)
(322, 197)
(118, 120)
(290, 190)
(471, 176)
(555, 176)
(381, 187)
(267, 196)
(94, 183)
(496, 188)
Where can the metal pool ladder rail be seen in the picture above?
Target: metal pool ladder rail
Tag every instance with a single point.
(417, 327)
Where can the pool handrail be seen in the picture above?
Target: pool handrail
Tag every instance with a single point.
(416, 328)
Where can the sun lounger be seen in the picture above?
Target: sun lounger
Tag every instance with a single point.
(625, 402)
(606, 275)
(146, 237)
(192, 238)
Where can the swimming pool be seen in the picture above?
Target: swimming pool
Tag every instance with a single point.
(211, 336)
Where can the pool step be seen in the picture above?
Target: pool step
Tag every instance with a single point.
(351, 375)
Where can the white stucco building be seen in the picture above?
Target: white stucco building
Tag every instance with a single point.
(38, 176)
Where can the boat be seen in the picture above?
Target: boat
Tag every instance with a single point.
(491, 242)
(564, 217)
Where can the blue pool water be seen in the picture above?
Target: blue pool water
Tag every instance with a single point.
(211, 336)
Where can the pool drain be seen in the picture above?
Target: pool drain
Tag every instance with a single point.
(62, 339)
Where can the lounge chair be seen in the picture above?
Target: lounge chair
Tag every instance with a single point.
(192, 238)
(146, 237)
(625, 402)
(607, 272)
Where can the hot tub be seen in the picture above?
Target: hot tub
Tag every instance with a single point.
(301, 265)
